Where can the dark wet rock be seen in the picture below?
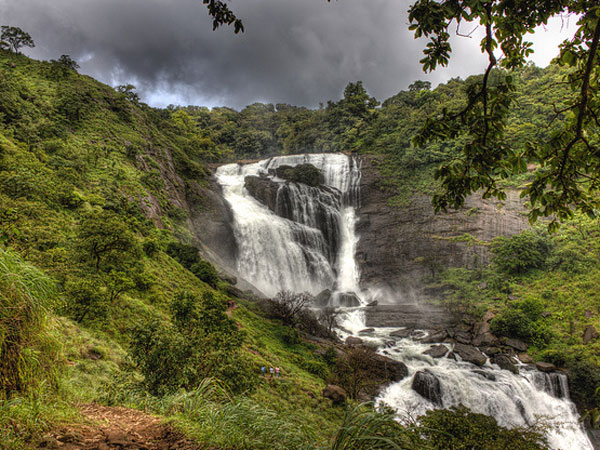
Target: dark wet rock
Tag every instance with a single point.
(490, 351)
(352, 340)
(525, 358)
(373, 303)
(590, 334)
(367, 331)
(409, 315)
(485, 339)
(418, 335)
(505, 363)
(516, 344)
(463, 337)
(436, 351)
(545, 367)
(401, 333)
(415, 229)
(389, 344)
(335, 393)
(388, 369)
(263, 189)
(470, 354)
(348, 299)
(302, 173)
(427, 385)
(322, 298)
(436, 336)
(484, 373)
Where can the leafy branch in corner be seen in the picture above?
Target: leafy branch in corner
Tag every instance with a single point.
(567, 165)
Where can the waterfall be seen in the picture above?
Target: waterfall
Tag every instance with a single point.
(512, 399)
(306, 240)
(302, 238)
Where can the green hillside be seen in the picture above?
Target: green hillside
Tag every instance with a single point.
(105, 298)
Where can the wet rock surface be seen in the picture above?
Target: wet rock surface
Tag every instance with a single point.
(436, 351)
(470, 354)
(408, 315)
(427, 385)
(398, 246)
(335, 393)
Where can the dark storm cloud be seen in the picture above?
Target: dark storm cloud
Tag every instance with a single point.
(293, 51)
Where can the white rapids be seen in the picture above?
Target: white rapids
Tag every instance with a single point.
(314, 249)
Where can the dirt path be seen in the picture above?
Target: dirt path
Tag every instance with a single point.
(118, 428)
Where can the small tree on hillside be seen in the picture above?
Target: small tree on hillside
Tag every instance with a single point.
(14, 38)
(288, 306)
(62, 66)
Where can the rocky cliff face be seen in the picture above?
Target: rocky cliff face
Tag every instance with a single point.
(398, 247)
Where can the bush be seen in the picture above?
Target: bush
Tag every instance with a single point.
(523, 320)
(206, 272)
(520, 253)
(27, 355)
(459, 428)
(202, 342)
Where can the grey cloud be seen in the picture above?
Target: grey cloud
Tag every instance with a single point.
(293, 51)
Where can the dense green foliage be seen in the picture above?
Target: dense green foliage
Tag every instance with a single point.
(461, 429)
(95, 189)
(567, 165)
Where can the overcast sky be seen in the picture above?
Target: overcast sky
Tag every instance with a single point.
(301, 52)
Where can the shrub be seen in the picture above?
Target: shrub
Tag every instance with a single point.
(459, 428)
(202, 342)
(518, 254)
(26, 293)
(206, 272)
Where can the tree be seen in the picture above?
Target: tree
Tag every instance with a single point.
(14, 38)
(567, 165)
(63, 66)
(106, 242)
(288, 306)
(222, 15)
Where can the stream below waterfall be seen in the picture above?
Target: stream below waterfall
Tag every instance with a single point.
(312, 248)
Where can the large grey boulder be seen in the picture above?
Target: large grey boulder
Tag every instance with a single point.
(517, 344)
(505, 363)
(404, 333)
(351, 340)
(436, 351)
(427, 385)
(322, 298)
(470, 354)
(545, 367)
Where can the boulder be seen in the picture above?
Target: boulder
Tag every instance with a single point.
(505, 363)
(463, 337)
(335, 393)
(525, 358)
(373, 303)
(590, 334)
(352, 340)
(348, 299)
(388, 369)
(436, 351)
(470, 354)
(485, 339)
(516, 344)
(367, 331)
(490, 351)
(322, 299)
(436, 336)
(545, 367)
(404, 333)
(485, 374)
(427, 385)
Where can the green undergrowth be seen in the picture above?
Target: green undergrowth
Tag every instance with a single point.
(544, 290)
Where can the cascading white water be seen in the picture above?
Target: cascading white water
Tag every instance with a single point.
(295, 253)
(513, 400)
(310, 244)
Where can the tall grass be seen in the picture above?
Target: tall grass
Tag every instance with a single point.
(367, 429)
(26, 351)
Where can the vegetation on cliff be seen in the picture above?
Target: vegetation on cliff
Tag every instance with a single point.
(115, 303)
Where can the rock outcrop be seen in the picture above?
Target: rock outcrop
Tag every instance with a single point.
(398, 246)
(427, 385)
(470, 354)
(335, 393)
